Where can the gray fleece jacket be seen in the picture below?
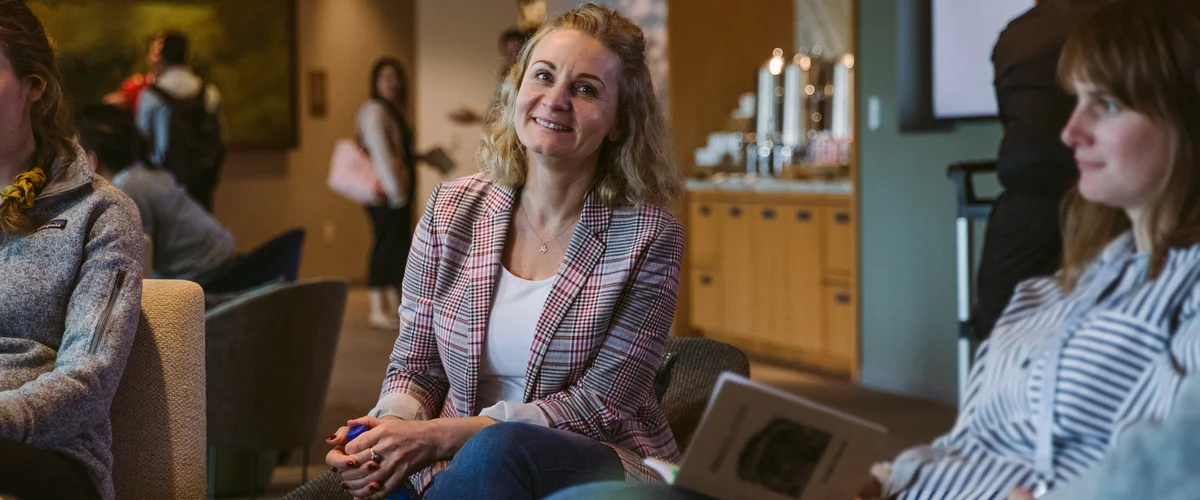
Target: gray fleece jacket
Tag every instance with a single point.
(70, 297)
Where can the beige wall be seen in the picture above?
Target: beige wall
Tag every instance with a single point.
(457, 63)
(265, 193)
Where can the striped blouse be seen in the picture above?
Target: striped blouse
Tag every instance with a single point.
(1128, 342)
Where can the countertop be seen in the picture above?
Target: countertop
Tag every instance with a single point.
(770, 185)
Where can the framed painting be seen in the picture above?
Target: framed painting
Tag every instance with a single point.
(246, 48)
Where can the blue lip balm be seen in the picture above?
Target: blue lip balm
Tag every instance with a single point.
(355, 432)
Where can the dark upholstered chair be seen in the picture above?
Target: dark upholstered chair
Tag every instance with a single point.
(687, 376)
(327, 486)
(270, 354)
(277, 260)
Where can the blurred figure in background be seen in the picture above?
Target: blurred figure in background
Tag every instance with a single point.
(188, 242)
(180, 116)
(510, 45)
(511, 42)
(1024, 238)
(129, 94)
(386, 134)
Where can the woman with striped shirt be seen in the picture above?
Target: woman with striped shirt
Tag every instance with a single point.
(1107, 342)
(1078, 357)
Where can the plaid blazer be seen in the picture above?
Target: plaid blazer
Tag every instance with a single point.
(598, 342)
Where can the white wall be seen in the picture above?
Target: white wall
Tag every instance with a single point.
(457, 64)
(264, 193)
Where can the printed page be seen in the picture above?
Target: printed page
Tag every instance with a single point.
(757, 442)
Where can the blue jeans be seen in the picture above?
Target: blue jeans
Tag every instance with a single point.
(523, 461)
(626, 491)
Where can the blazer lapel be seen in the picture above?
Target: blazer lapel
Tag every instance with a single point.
(583, 254)
(483, 262)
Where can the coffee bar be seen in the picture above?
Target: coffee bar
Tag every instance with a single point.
(771, 257)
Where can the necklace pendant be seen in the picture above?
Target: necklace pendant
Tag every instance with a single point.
(543, 249)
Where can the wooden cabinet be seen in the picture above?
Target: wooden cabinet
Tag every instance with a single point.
(772, 274)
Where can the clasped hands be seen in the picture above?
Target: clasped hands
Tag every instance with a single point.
(379, 459)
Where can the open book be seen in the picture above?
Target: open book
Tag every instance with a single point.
(757, 442)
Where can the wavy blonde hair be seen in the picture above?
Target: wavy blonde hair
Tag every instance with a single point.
(636, 169)
(1145, 54)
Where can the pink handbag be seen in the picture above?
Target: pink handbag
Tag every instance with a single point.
(352, 175)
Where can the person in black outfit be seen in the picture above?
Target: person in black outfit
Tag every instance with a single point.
(1035, 168)
(387, 136)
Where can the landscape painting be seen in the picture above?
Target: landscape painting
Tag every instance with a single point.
(245, 48)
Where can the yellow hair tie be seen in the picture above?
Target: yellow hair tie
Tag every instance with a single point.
(25, 188)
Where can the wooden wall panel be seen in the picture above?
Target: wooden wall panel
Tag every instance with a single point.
(715, 48)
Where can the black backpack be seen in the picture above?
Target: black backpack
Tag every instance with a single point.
(194, 147)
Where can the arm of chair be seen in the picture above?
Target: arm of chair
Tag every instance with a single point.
(969, 204)
(158, 414)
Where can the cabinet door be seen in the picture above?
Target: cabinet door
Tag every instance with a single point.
(769, 276)
(800, 312)
(703, 236)
(706, 302)
(736, 269)
(841, 315)
(838, 235)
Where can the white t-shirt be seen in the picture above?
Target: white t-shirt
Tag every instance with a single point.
(516, 309)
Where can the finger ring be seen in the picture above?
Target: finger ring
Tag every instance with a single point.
(375, 456)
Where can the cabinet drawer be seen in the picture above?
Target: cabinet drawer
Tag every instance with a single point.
(841, 315)
(838, 232)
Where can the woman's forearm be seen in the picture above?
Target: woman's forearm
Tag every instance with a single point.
(453, 433)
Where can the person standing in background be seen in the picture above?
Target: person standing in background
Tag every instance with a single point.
(511, 42)
(180, 117)
(188, 242)
(1024, 235)
(387, 136)
(129, 93)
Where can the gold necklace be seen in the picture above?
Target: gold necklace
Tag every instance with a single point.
(544, 248)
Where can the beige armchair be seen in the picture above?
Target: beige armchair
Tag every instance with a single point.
(158, 414)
